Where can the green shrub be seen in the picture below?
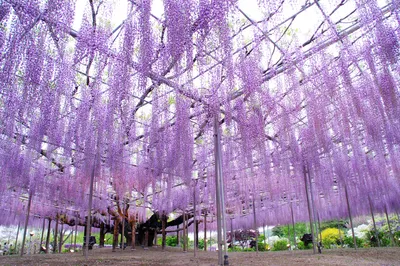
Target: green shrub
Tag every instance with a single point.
(262, 246)
(348, 240)
(301, 246)
(280, 245)
(171, 241)
(201, 244)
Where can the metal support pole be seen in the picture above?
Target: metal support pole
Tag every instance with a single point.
(48, 236)
(177, 235)
(309, 208)
(41, 238)
(55, 235)
(184, 232)
(294, 229)
(351, 219)
(255, 223)
(89, 222)
(264, 234)
(389, 227)
(315, 227)
(205, 232)
(194, 219)
(133, 226)
(373, 221)
(61, 238)
(320, 235)
(16, 239)
(76, 231)
(221, 226)
(123, 226)
(340, 235)
(26, 221)
(232, 234)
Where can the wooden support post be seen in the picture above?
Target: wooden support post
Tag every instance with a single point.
(133, 226)
(310, 214)
(351, 219)
(41, 238)
(205, 232)
(102, 235)
(48, 236)
(163, 225)
(340, 235)
(26, 221)
(55, 235)
(389, 227)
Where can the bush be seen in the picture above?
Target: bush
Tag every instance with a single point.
(171, 241)
(348, 240)
(330, 236)
(262, 246)
(301, 245)
(201, 244)
(280, 245)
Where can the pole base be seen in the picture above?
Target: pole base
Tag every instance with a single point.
(226, 262)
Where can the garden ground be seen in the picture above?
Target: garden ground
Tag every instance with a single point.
(174, 256)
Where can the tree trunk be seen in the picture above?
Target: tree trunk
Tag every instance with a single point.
(115, 238)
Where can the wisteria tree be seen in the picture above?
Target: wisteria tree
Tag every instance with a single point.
(304, 96)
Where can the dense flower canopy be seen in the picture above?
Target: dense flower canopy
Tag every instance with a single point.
(304, 90)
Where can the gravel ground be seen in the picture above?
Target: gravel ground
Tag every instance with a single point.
(174, 256)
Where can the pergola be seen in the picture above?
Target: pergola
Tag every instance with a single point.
(256, 112)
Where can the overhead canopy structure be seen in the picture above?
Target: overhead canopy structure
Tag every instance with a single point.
(302, 90)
